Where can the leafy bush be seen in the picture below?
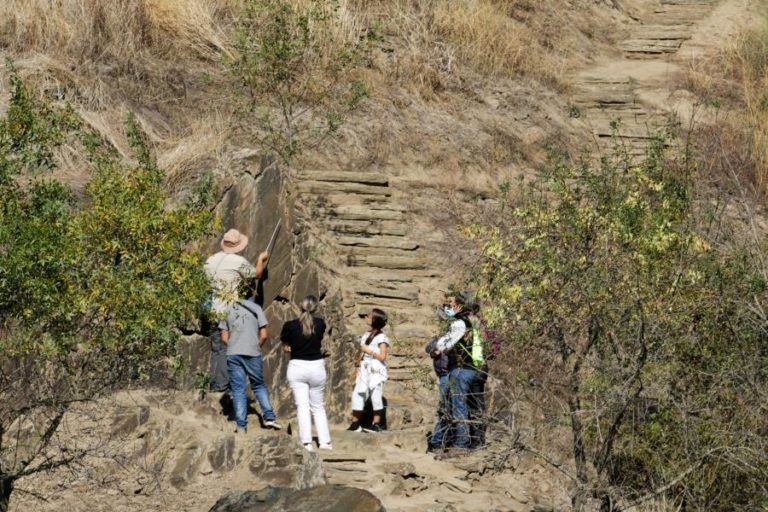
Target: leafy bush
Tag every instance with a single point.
(646, 316)
(92, 289)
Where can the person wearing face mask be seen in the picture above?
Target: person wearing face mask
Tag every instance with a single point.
(462, 376)
(441, 363)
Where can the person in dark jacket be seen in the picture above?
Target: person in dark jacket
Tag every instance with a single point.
(463, 376)
(440, 363)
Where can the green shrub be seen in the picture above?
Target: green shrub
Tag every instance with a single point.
(92, 289)
(646, 316)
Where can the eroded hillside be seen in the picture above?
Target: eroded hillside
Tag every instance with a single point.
(461, 96)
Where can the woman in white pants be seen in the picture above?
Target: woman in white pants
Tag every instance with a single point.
(371, 372)
(302, 338)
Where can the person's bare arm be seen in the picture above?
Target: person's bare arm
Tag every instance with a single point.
(381, 355)
(263, 336)
(224, 337)
(261, 263)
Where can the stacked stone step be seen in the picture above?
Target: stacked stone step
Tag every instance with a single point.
(666, 28)
(366, 232)
(610, 105)
(614, 114)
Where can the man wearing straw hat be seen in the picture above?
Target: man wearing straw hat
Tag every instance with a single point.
(227, 271)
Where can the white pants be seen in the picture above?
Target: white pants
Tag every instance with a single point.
(307, 380)
(361, 393)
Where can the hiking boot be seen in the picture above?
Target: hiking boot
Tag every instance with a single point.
(435, 448)
(373, 429)
(355, 427)
(476, 447)
(309, 447)
(273, 424)
(326, 446)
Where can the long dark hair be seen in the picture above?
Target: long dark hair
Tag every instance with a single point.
(378, 322)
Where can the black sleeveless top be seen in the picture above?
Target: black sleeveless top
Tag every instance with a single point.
(303, 347)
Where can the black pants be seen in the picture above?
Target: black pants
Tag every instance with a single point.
(477, 408)
(219, 373)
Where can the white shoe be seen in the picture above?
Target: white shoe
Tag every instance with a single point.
(309, 447)
(273, 424)
(326, 446)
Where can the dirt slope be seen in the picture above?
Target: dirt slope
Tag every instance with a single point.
(169, 459)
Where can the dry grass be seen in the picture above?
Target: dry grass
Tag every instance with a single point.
(163, 60)
(197, 150)
(111, 57)
(115, 31)
(735, 83)
(100, 54)
(752, 58)
(496, 43)
(435, 39)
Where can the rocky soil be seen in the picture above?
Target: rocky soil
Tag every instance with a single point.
(359, 239)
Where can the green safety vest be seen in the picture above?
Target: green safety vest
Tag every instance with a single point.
(478, 358)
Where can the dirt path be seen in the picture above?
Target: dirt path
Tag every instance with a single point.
(164, 451)
(633, 96)
(180, 454)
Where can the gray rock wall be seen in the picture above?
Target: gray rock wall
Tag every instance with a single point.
(255, 197)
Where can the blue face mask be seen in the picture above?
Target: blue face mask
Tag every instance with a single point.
(449, 312)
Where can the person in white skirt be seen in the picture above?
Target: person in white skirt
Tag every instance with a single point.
(302, 338)
(372, 371)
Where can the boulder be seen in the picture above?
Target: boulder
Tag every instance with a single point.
(324, 498)
(187, 465)
(280, 461)
(195, 351)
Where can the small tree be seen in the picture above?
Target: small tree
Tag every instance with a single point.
(646, 316)
(297, 69)
(91, 291)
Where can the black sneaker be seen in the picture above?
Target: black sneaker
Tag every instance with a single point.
(434, 448)
(374, 429)
(355, 427)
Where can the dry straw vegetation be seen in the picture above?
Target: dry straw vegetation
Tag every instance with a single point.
(109, 57)
(541, 39)
(165, 59)
(734, 85)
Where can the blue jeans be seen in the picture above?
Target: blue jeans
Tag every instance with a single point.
(241, 369)
(461, 383)
(443, 413)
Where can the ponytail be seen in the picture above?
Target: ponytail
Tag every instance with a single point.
(308, 306)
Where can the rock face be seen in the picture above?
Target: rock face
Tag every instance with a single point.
(254, 204)
(325, 498)
(256, 196)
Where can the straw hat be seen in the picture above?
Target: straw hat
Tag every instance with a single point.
(233, 241)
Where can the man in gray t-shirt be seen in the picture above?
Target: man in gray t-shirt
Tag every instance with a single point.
(244, 331)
